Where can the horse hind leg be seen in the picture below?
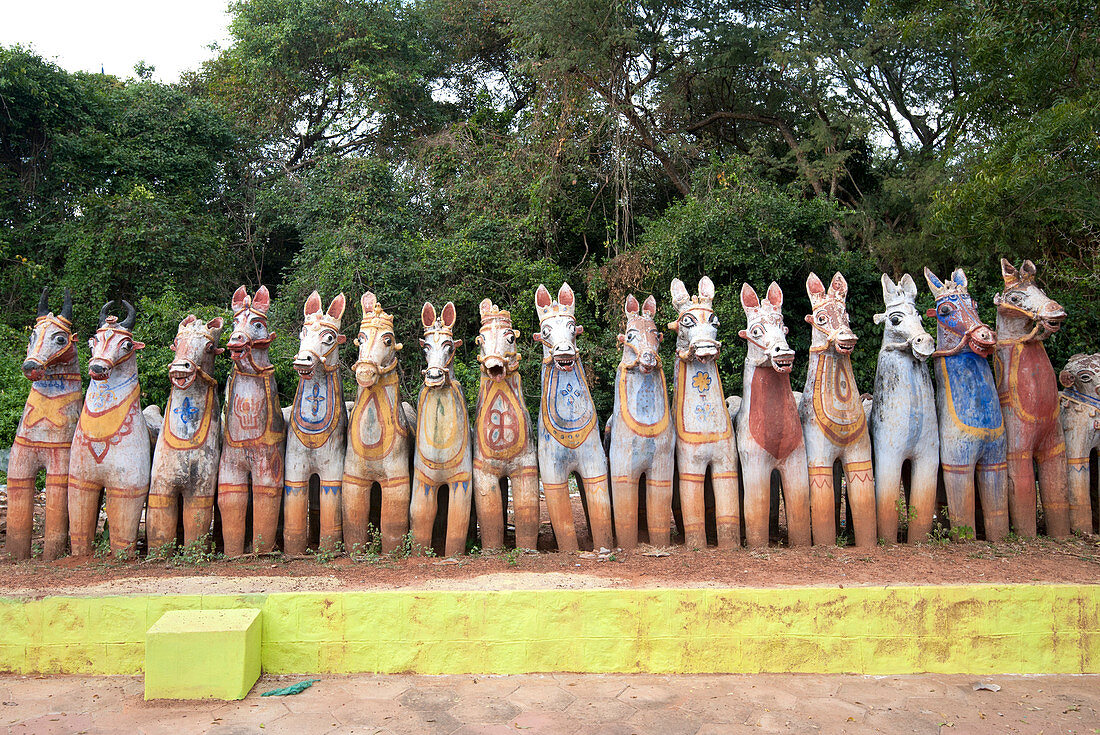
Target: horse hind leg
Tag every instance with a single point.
(198, 516)
(861, 499)
(561, 514)
(1053, 490)
(924, 476)
(1022, 507)
(624, 498)
(160, 519)
(958, 480)
(422, 511)
(727, 511)
(266, 500)
(822, 504)
(331, 518)
(992, 485)
(296, 516)
(525, 503)
(21, 479)
(693, 508)
(889, 503)
(124, 506)
(83, 514)
(658, 490)
(57, 515)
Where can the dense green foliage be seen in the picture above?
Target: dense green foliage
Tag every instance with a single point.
(463, 149)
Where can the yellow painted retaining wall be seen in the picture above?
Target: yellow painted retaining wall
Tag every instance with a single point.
(873, 630)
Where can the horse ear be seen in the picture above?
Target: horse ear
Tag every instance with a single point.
(631, 306)
(367, 302)
(565, 295)
(485, 307)
(262, 300)
(679, 292)
(706, 288)
(749, 299)
(336, 308)
(1066, 379)
(542, 297)
(216, 324)
(959, 277)
(313, 304)
(1028, 268)
(649, 308)
(449, 315)
(240, 298)
(427, 314)
(775, 295)
(814, 287)
(933, 280)
(889, 288)
(1009, 272)
(187, 320)
(908, 287)
(838, 287)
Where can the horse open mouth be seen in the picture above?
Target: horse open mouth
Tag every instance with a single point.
(1053, 324)
(706, 351)
(304, 370)
(181, 379)
(99, 372)
(783, 363)
(496, 372)
(565, 362)
(845, 347)
(366, 376)
(236, 351)
(34, 373)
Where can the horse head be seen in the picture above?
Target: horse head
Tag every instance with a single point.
(250, 330)
(765, 331)
(1023, 307)
(195, 346)
(640, 336)
(113, 343)
(558, 327)
(497, 342)
(378, 347)
(320, 339)
(903, 328)
(439, 344)
(958, 325)
(1082, 375)
(52, 341)
(829, 315)
(696, 326)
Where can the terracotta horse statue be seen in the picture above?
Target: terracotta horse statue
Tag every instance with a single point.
(1028, 392)
(380, 435)
(569, 438)
(255, 432)
(640, 437)
(704, 430)
(504, 448)
(1081, 422)
(111, 446)
(834, 423)
(45, 433)
(185, 462)
(769, 433)
(972, 432)
(315, 444)
(442, 438)
(903, 415)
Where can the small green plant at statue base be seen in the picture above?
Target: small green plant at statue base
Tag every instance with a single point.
(512, 556)
(906, 513)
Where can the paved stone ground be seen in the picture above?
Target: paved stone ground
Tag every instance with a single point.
(568, 703)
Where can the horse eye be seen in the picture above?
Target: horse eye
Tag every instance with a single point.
(511, 337)
(688, 321)
(945, 309)
(127, 344)
(895, 320)
(387, 340)
(60, 339)
(821, 319)
(714, 321)
(1086, 378)
(209, 346)
(572, 328)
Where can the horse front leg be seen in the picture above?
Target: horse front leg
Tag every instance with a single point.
(888, 501)
(1021, 492)
(490, 508)
(958, 481)
(422, 511)
(861, 497)
(658, 492)
(624, 499)
(822, 503)
(598, 498)
(266, 500)
(757, 474)
(83, 514)
(561, 514)
(458, 513)
(124, 506)
(57, 512)
(1078, 481)
(198, 515)
(396, 496)
(23, 466)
(332, 526)
(160, 519)
(924, 477)
(693, 507)
(295, 514)
(525, 504)
(992, 484)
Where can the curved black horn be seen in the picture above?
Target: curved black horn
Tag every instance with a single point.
(67, 307)
(44, 303)
(104, 311)
(131, 313)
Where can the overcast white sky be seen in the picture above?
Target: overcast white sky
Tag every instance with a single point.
(171, 35)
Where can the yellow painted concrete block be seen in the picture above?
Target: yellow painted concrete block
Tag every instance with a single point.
(203, 654)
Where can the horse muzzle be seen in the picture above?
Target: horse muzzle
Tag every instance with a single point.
(983, 341)
(648, 362)
(434, 377)
(34, 370)
(182, 374)
(495, 367)
(845, 343)
(782, 360)
(98, 369)
(705, 349)
(922, 346)
(305, 364)
(565, 358)
(366, 374)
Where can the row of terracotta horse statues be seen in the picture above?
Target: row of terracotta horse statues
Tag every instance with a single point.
(993, 427)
